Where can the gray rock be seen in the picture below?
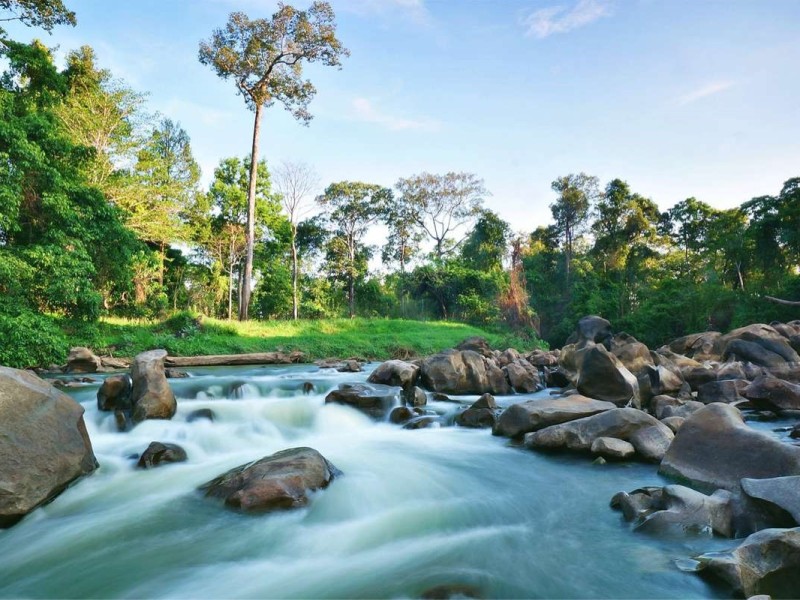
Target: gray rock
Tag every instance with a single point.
(481, 414)
(783, 492)
(621, 423)
(533, 415)
(277, 482)
(602, 376)
(651, 443)
(415, 396)
(592, 329)
(159, 453)
(463, 372)
(772, 393)
(726, 391)
(609, 447)
(375, 400)
(767, 562)
(674, 423)
(752, 352)
(395, 373)
(523, 376)
(716, 449)
(44, 445)
(152, 398)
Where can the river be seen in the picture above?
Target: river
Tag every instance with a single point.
(413, 510)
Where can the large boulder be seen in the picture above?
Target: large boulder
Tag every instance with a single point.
(375, 400)
(525, 417)
(477, 344)
(633, 354)
(482, 413)
(523, 376)
(772, 393)
(763, 336)
(44, 445)
(82, 360)
(592, 329)
(601, 375)
(726, 391)
(649, 437)
(715, 448)
(698, 346)
(152, 397)
(277, 482)
(781, 492)
(115, 393)
(395, 372)
(463, 372)
(742, 350)
(766, 563)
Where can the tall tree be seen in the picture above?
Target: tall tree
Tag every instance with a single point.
(487, 244)
(295, 182)
(404, 238)
(265, 58)
(441, 204)
(352, 208)
(575, 196)
(36, 13)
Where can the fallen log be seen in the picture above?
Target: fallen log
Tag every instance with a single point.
(225, 360)
(781, 301)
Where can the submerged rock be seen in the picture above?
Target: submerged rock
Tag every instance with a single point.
(277, 482)
(159, 453)
(715, 448)
(151, 396)
(44, 445)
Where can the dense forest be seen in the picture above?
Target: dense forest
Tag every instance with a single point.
(102, 213)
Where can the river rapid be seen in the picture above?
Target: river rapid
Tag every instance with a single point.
(413, 510)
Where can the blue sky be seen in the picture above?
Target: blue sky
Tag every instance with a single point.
(678, 97)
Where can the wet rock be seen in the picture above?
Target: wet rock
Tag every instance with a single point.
(772, 393)
(350, 366)
(415, 396)
(782, 492)
(396, 373)
(151, 396)
(523, 376)
(609, 447)
(726, 391)
(175, 374)
(602, 376)
(463, 372)
(556, 378)
(82, 360)
(114, 393)
(423, 422)
(638, 503)
(525, 417)
(767, 562)
(122, 418)
(277, 482)
(374, 400)
(481, 414)
(160, 453)
(307, 387)
(44, 445)
(716, 449)
(621, 423)
(200, 413)
(401, 414)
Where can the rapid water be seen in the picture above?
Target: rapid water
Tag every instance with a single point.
(414, 510)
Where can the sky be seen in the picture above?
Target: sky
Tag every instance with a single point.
(679, 98)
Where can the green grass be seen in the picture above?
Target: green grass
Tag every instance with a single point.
(374, 339)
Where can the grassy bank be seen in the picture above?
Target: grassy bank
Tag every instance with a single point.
(181, 335)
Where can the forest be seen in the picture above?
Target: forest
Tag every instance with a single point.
(102, 213)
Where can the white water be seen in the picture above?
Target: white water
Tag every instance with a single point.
(414, 510)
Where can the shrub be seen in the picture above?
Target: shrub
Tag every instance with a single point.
(31, 340)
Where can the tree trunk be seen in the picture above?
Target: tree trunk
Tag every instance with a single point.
(244, 299)
(784, 302)
(294, 272)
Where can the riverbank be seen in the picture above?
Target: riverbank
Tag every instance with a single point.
(185, 335)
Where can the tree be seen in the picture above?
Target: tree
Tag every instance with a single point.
(486, 245)
(37, 13)
(352, 207)
(295, 182)
(402, 243)
(440, 204)
(265, 58)
(575, 195)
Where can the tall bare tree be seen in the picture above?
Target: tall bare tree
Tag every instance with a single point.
(295, 182)
(265, 59)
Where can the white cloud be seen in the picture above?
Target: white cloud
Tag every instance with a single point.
(709, 89)
(364, 110)
(549, 21)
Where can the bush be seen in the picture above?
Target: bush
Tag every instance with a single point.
(31, 340)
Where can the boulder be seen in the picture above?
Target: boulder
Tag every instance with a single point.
(415, 396)
(782, 492)
(594, 329)
(151, 396)
(395, 372)
(674, 423)
(82, 360)
(508, 356)
(482, 413)
(277, 482)
(716, 449)
(159, 453)
(699, 346)
(602, 376)
(525, 417)
(543, 358)
(523, 376)
(731, 370)
(753, 352)
(767, 562)
(477, 344)
(768, 392)
(631, 353)
(614, 448)
(114, 393)
(620, 423)
(659, 380)
(726, 391)
(463, 372)
(678, 360)
(175, 374)
(667, 406)
(44, 445)
(375, 400)
(698, 376)
(401, 414)
(349, 366)
(764, 336)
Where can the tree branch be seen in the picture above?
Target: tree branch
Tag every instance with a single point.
(784, 302)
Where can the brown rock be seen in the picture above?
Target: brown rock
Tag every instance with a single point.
(151, 396)
(82, 360)
(525, 417)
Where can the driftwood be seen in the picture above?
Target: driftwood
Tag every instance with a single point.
(784, 302)
(218, 360)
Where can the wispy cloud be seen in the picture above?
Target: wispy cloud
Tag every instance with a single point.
(709, 89)
(365, 110)
(545, 22)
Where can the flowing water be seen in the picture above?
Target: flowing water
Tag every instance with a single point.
(413, 510)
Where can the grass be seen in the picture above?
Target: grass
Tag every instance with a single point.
(374, 339)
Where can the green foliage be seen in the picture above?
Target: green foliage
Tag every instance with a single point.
(36, 13)
(31, 339)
